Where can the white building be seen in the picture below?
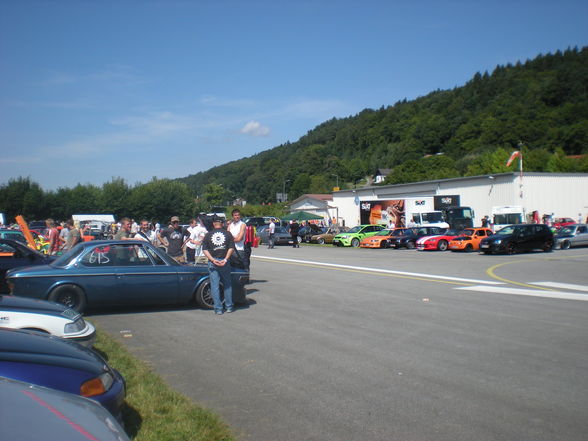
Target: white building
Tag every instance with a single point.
(319, 204)
(556, 194)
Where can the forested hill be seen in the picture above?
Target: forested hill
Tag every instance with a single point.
(470, 130)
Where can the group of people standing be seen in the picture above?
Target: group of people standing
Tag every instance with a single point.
(221, 247)
(64, 239)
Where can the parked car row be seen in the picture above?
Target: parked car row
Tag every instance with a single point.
(510, 239)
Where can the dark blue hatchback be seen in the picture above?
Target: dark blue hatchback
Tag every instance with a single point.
(53, 362)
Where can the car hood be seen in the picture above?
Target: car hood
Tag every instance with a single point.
(35, 306)
(32, 347)
(425, 238)
(30, 270)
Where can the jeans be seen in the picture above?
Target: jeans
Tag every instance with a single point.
(220, 274)
(270, 241)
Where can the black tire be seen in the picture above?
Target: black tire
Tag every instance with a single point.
(69, 295)
(548, 246)
(321, 240)
(355, 242)
(442, 245)
(565, 245)
(511, 248)
(469, 248)
(410, 245)
(203, 295)
(384, 244)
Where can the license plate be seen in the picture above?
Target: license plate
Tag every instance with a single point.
(484, 245)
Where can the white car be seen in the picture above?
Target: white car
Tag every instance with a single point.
(43, 316)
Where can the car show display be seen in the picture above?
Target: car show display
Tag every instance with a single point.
(116, 273)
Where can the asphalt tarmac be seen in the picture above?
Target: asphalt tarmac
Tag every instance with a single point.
(362, 345)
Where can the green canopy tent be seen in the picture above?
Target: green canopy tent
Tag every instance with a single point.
(301, 216)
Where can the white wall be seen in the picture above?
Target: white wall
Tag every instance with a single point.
(563, 194)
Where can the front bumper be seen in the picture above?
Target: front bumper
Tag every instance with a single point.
(346, 242)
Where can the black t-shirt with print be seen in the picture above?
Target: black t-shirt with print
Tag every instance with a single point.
(218, 242)
(175, 239)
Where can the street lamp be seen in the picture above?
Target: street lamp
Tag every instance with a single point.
(337, 176)
(284, 190)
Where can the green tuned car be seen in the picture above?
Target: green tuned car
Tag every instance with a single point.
(352, 237)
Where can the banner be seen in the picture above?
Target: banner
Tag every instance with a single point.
(382, 212)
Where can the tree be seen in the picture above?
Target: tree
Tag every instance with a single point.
(114, 198)
(160, 199)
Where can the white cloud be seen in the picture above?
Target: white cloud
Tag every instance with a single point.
(254, 128)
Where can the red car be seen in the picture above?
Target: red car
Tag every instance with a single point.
(436, 243)
(559, 222)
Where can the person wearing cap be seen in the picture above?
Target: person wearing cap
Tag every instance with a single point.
(174, 236)
(218, 246)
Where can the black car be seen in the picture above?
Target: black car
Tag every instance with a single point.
(14, 254)
(411, 235)
(516, 238)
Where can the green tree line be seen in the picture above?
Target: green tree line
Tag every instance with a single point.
(466, 131)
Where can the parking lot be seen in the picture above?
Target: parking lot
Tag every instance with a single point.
(357, 344)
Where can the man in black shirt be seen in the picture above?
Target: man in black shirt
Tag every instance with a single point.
(218, 245)
(174, 237)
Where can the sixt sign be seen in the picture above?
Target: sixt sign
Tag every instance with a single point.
(446, 201)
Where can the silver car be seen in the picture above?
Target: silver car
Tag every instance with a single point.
(571, 236)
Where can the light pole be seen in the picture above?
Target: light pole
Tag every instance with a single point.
(284, 189)
(337, 176)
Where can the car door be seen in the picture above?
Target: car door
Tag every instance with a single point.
(581, 236)
(95, 269)
(142, 277)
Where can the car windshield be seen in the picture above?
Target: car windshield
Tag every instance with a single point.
(467, 232)
(432, 217)
(356, 229)
(452, 233)
(384, 233)
(566, 230)
(506, 231)
(67, 257)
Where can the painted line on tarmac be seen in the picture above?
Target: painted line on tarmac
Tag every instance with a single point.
(527, 292)
(569, 286)
(490, 272)
(377, 270)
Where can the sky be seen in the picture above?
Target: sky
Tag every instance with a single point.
(95, 90)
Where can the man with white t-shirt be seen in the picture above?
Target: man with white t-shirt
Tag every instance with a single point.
(237, 228)
(197, 233)
(271, 229)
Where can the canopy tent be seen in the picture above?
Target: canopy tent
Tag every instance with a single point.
(301, 216)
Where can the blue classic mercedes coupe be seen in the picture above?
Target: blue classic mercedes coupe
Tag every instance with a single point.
(116, 273)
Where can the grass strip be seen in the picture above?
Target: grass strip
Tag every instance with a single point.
(153, 411)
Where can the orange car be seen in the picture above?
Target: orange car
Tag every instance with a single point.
(379, 240)
(469, 239)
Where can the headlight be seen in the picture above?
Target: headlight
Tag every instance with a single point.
(97, 386)
(498, 241)
(77, 326)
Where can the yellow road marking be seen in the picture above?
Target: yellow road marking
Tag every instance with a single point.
(490, 271)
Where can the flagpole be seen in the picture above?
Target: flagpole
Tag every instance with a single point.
(521, 168)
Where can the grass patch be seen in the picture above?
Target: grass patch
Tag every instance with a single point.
(153, 411)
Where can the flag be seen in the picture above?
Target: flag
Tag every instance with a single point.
(513, 157)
